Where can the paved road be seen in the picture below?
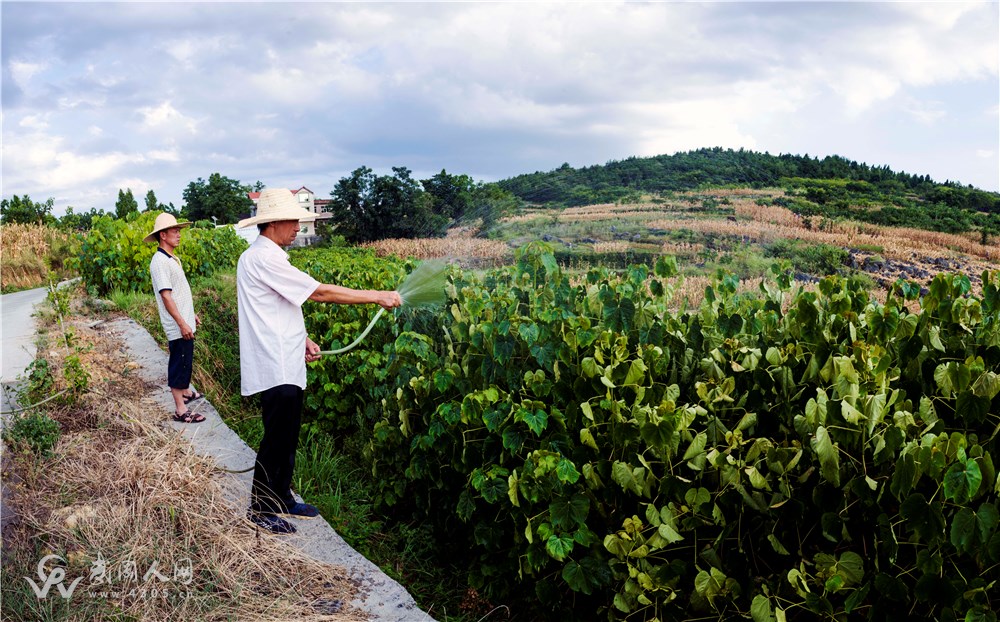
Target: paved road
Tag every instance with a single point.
(17, 349)
(17, 333)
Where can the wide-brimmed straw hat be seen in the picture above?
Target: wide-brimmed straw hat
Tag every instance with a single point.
(163, 222)
(276, 204)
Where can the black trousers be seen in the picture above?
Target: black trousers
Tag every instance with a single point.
(281, 408)
(180, 362)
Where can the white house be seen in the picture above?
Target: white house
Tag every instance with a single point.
(307, 200)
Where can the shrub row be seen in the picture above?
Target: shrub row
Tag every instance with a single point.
(786, 455)
(113, 255)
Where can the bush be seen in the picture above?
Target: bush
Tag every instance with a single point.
(34, 432)
(114, 256)
(821, 259)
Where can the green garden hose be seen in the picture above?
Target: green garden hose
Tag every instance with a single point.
(358, 340)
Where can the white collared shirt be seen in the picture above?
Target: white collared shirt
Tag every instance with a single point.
(168, 275)
(270, 292)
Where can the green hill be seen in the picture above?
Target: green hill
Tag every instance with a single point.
(830, 187)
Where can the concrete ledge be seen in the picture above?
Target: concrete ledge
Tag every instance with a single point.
(380, 596)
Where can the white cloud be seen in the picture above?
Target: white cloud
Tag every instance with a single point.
(926, 112)
(476, 105)
(139, 188)
(82, 100)
(666, 128)
(165, 155)
(34, 122)
(166, 118)
(46, 165)
(23, 71)
(985, 153)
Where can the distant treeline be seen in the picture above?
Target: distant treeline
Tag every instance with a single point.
(626, 179)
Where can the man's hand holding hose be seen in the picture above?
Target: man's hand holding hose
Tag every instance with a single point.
(389, 300)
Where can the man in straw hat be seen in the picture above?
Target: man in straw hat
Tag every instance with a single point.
(173, 298)
(274, 349)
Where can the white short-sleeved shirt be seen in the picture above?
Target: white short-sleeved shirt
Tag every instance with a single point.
(168, 274)
(270, 292)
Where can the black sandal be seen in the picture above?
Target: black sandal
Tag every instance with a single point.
(189, 417)
(194, 396)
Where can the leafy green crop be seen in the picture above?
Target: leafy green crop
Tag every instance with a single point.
(113, 255)
(789, 454)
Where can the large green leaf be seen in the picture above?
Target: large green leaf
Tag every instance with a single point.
(962, 481)
(566, 471)
(760, 609)
(528, 332)
(987, 385)
(952, 377)
(903, 476)
(559, 546)
(636, 372)
(971, 407)
(536, 418)
(828, 459)
(963, 530)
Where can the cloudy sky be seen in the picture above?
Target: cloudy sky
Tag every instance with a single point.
(102, 96)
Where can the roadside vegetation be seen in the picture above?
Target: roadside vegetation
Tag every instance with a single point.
(138, 522)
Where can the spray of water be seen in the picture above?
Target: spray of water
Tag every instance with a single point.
(424, 287)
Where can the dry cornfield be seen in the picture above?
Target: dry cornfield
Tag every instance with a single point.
(28, 252)
(448, 247)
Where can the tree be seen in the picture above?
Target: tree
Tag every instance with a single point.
(224, 198)
(23, 210)
(152, 204)
(126, 204)
(368, 207)
(79, 222)
(452, 194)
(489, 203)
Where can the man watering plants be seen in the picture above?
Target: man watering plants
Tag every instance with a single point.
(177, 316)
(274, 349)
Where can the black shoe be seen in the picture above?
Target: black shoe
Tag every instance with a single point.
(270, 523)
(300, 510)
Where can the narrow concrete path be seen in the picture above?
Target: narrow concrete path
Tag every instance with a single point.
(17, 350)
(17, 331)
(381, 597)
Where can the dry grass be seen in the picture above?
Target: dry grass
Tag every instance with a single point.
(28, 252)
(457, 246)
(612, 247)
(897, 242)
(124, 488)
